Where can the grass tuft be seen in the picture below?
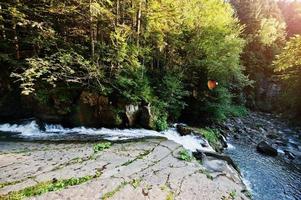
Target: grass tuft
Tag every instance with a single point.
(185, 155)
(101, 146)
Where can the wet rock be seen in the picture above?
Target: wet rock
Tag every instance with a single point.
(183, 129)
(41, 125)
(95, 110)
(290, 155)
(223, 141)
(146, 117)
(264, 148)
(200, 155)
(272, 136)
(280, 143)
(131, 112)
(205, 145)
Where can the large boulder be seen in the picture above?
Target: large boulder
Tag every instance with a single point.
(184, 130)
(131, 113)
(146, 117)
(10, 103)
(95, 111)
(40, 110)
(202, 155)
(264, 148)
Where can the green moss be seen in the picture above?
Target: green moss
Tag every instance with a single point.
(163, 187)
(185, 155)
(113, 192)
(233, 194)
(212, 136)
(140, 156)
(45, 187)
(76, 160)
(170, 196)
(2, 185)
(101, 146)
(237, 111)
(206, 172)
(136, 183)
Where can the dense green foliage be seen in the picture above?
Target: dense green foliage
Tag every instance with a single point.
(288, 65)
(157, 52)
(265, 33)
(291, 11)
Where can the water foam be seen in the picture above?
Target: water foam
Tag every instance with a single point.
(28, 129)
(31, 130)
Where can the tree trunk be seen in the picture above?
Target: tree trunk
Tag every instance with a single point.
(133, 14)
(92, 34)
(117, 11)
(16, 42)
(2, 27)
(138, 27)
(15, 36)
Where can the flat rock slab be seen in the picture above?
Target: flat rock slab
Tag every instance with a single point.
(148, 169)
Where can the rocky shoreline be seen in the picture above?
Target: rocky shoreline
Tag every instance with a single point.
(270, 134)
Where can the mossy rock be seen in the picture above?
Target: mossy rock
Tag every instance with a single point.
(95, 110)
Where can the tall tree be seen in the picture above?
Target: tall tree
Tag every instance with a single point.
(265, 35)
(288, 67)
(291, 11)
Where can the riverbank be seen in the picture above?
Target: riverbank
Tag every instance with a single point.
(146, 169)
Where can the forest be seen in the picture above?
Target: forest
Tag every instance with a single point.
(86, 62)
(150, 99)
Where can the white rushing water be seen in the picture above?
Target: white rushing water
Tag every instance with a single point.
(32, 130)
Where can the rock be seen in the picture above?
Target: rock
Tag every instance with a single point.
(205, 144)
(41, 111)
(267, 92)
(146, 117)
(280, 143)
(272, 136)
(41, 125)
(290, 155)
(215, 165)
(183, 129)
(199, 155)
(155, 175)
(131, 112)
(95, 110)
(223, 141)
(264, 148)
(202, 154)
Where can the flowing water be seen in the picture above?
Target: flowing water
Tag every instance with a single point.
(268, 178)
(31, 131)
